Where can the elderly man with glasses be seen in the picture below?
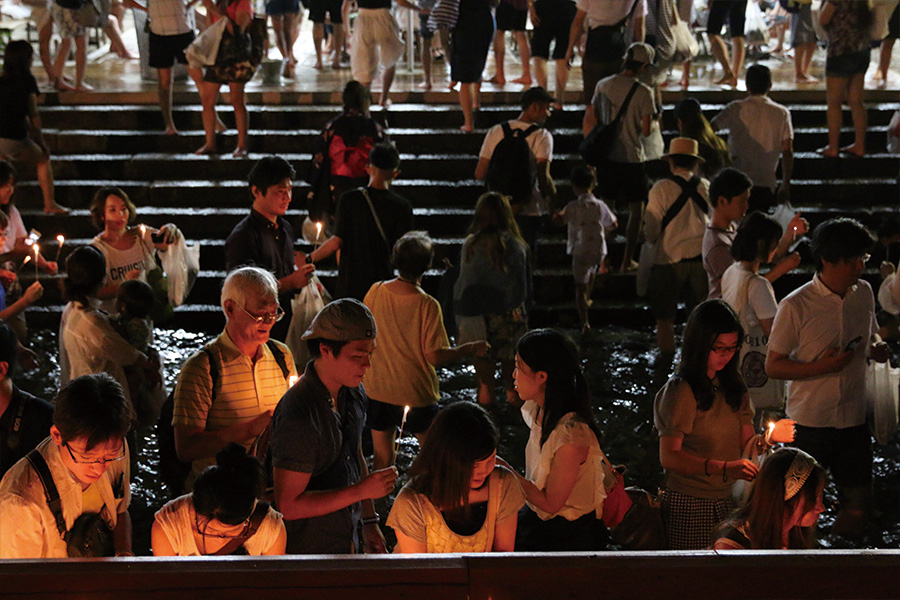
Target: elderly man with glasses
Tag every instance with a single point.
(84, 464)
(228, 390)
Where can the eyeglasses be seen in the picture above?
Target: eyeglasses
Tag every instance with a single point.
(725, 350)
(266, 319)
(101, 461)
(202, 522)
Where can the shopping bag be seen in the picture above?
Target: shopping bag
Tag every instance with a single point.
(882, 393)
(205, 47)
(181, 262)
(305, 306)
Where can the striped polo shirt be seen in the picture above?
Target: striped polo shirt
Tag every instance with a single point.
(243, 390)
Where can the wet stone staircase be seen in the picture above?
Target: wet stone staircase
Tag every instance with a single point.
(123, 145)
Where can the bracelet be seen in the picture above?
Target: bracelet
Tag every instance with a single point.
(706, 467)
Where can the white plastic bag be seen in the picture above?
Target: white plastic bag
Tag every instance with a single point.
(181, 264)
(205, 47)
(889, 294)
(784, 214)
(305, 306)
(686, 46)
(882, 394)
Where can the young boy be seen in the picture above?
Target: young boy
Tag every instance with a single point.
(412, 341)
(588, 220)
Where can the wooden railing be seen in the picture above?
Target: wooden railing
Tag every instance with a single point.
(703, 575)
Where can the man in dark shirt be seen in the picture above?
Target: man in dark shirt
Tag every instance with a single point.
(265, 239)
(24, 419)
(369, 221)
(322, 485)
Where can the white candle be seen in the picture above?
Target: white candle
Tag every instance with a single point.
(61, 239)
(37, 250)
(318, 235)
(400, 433)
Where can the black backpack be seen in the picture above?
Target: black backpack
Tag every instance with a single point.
(173, 470)
(513, 168)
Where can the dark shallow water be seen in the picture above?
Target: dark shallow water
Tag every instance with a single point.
(619, 365)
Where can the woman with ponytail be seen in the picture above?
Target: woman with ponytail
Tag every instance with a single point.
(223, 515)
(566, 472)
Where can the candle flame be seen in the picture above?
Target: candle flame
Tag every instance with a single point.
(60, 239)
(405, 411)
(143, 229)
(292, 380)
(318, 229)
(27, 259)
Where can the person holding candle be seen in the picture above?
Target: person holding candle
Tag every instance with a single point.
(265, 239)
(412, 341)
(566, 472)
(703, 416)
(785, 502)
(130, 251)
(458, 499)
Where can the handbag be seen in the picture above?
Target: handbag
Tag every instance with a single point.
(642, 526)
(596, 146)
(882, 392)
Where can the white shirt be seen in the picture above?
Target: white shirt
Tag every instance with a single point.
(89, 344)
(683, 237)
(749, 294)
(758, 128)
(541, 144)
(15, 230)
(588, 219)
(590, 489)
(609, 12)
(27, 525)
(170, 17)
(811, 321)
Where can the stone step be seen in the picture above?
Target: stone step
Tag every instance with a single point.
(147, 117)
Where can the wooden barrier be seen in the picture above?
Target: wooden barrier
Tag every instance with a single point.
(703, 575)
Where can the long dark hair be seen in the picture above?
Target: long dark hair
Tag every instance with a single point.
(460, 435)
(707, 321)
(492, 222)
(85, 272)
(756, 236)
(765, 512)
(17, 60)
(228, 490)
(566, 390)
(695, 125)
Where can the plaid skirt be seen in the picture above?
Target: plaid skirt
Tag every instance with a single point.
(692, 522)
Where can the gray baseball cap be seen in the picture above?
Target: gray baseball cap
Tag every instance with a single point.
(344, 320)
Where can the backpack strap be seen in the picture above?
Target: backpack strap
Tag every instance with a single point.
(621, 23)
(625, 104)
(278, 355)
(526, 132)
(365, 194)
(50, 492)
(688, 192)
(213, 371)
(256, 519)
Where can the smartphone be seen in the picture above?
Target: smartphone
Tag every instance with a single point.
(852, 344)
(158, 237)
(33, 237)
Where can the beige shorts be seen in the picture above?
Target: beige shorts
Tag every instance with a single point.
(375, 34)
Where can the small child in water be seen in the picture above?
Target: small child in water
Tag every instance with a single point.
(588, 220)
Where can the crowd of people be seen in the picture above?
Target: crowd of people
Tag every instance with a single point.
(267, 449)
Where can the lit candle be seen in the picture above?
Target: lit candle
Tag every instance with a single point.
(61, 239)
(400, 434)
(37, 250)
(292, 380)
(24, 262)
(318, 234)
(143, 229)
(771, 428)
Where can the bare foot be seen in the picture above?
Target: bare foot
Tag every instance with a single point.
(727, 79)
(452, 85)
(318, 65)
(220, 126)
(288, 70)
(63, 85)
(466, 128)
(206, 149)
(827, 152)
(56, 209)
(854, 150)
(425, 86)
(524, 80)
(803, 78)
(171, 130)
(497, 80)
(84, 87)
(239, 152)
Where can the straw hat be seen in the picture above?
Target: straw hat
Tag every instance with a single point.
(683, 146)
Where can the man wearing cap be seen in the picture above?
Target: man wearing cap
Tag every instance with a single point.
(760, 136)
(252, 372)
(622, 179)
(322, 485)
(368, 223)
(611, 25)
(676, 219)
(535, 104)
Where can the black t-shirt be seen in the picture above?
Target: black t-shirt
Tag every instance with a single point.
(14, 106)
(365, 257)
(25, 424)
